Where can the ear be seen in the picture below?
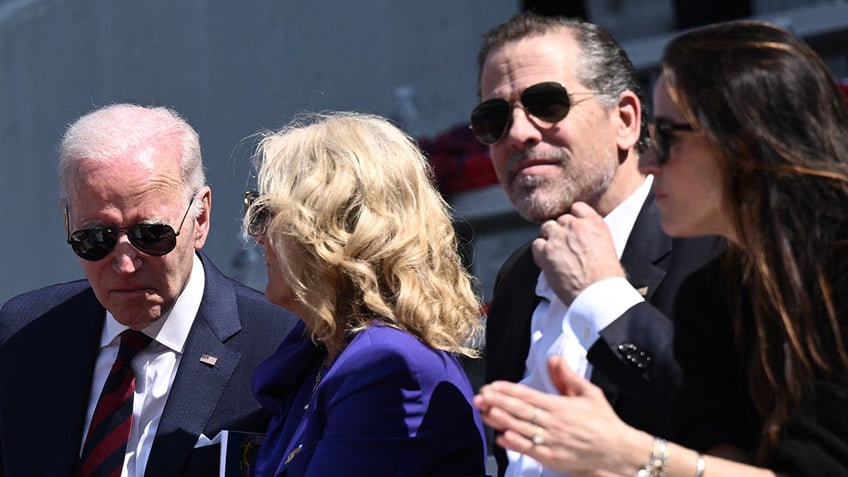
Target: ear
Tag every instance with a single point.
(63, 204)
(628, 120)
(201, 223)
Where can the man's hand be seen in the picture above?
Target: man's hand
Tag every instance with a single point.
(576, 251)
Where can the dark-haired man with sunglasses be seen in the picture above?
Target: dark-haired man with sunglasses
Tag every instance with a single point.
(561, 112)
(133, 370)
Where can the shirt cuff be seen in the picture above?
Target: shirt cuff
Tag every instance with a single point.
(598, 305)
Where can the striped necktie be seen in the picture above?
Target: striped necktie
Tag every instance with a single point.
(106, 442)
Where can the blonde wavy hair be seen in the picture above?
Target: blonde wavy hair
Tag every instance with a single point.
(361, 233)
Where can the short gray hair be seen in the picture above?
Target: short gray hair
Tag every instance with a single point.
(111, 131)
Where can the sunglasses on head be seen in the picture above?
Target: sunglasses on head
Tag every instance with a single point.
(662, 132)
(153, 239)
(548, 102)
(259, 217)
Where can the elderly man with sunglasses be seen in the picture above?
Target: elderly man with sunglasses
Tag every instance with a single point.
(133, 370)
(562, 115)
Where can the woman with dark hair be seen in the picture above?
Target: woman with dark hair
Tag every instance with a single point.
(751, 143)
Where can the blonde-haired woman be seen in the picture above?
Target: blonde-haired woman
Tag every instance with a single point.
(360, 245)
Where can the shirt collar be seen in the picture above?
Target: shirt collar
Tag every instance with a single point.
(172, 328)
(622, 218)
(620, 222)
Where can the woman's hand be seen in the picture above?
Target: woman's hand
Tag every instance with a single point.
(576, 433)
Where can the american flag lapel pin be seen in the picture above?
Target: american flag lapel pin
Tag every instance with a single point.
(208, 359)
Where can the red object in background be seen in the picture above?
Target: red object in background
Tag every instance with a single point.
(462, 164)
(459, 161)
(843, 85)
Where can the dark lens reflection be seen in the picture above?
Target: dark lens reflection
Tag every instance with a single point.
(491, 119)
(547, 101)
(662, 134)
(153, 239)
(259, 217)
(97, 242)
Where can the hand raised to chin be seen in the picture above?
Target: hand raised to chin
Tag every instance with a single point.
(575, 251)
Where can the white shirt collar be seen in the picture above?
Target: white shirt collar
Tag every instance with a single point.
(620, 222)
(569, 332)
(621, 219)
(172, 328)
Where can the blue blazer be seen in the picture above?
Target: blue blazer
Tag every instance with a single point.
(49, 341)
(388, 406)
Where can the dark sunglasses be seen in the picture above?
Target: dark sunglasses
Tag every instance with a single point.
(95, 243)
(549, 102)
(260, 215)
(662, 132)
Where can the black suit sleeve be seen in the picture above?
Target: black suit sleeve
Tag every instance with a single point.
(646, 328)
(508, 320)
(634, 360)
(633, 363)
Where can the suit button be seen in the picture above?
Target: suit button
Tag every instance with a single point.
(634, 356)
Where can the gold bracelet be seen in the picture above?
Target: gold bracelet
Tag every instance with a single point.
(657, 464)
(700, 465)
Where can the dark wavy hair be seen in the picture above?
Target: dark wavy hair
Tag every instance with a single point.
(778, 124)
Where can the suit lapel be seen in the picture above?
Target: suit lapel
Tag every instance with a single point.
(508, 327)
(55, 378)
(645, 261)
(198, 385)
(647, 251)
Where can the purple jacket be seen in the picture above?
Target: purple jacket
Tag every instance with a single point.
(388, 406)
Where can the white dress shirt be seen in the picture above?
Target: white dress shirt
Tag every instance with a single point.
(155, 368)
(569, 331)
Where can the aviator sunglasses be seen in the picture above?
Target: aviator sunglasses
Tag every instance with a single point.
(259, 217)
(662, 133)
(548, 102)
(95, 243)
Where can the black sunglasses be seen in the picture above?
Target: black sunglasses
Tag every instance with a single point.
(549, 102)
(257, 223)
(662, 132)
(95, 243)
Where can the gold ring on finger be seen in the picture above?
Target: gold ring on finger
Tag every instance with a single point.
(538, 438)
